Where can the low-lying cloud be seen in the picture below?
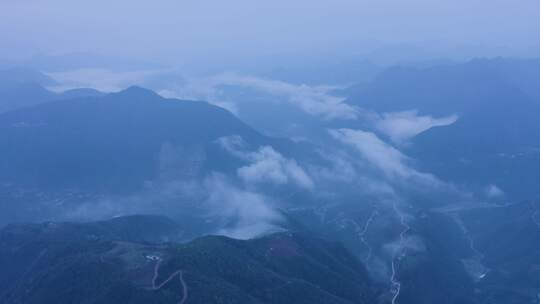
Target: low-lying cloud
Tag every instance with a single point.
(266, 165)
(381, 155)
(493, 191)
(233, 210)
(102, 79)
(247, 214)
(395, 169)
(314, 100)
(402, 126)
(269, 165)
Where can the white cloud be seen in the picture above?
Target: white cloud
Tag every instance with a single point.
(388, 171)
(270, 166)
(232, 210)
(101, 79)
(411, 243)
(313, 100)
(266, 165)
(401, 126)
(340, 167)
(247, 214)
(493, 191)
(383, 156)
(233, 144)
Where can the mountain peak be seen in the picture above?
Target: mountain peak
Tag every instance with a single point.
(20, 76)
(137, 91)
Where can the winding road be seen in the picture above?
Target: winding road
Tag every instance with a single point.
(362, 235)
(178, 273)
(399, 254)
(31, 266)
(477, 254)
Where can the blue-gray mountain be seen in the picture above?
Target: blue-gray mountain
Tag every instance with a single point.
(111, 142)
(63, 149)
(496, 140)
(125, 260)
(20, 88)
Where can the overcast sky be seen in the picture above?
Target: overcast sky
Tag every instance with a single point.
(205, 31)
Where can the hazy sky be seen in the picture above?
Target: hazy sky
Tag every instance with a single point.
(203, 30)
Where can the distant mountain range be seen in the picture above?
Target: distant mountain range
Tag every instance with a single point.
(20, 88)
(496, 139)
(85, 146)
(112, 141)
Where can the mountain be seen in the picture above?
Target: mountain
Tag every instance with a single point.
(23, 95)
(21, 88)
(18, 76)
(106, 262)
(81, 93)
(496, 139)
(428, 261)
(316, 71)
(506, 239)
(85, 154)
(112, 142)
(451, 88)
